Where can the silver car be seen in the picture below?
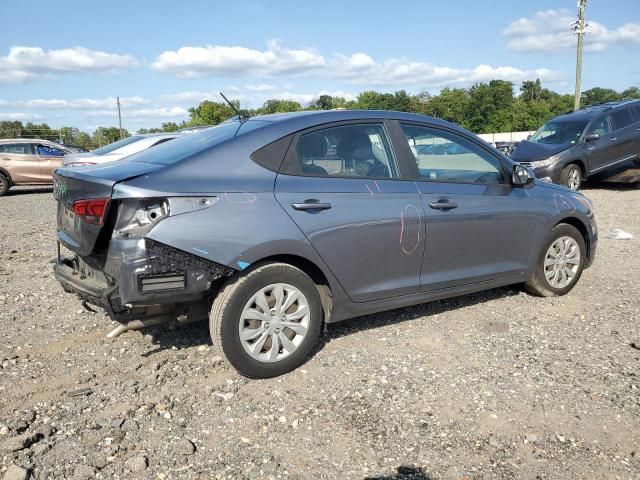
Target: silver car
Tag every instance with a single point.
(118, 150)
(275, 225)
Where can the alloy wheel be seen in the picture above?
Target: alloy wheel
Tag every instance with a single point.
(562, 262)
(274, 322)
(574, 179)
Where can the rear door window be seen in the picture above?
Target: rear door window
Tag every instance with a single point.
(47, 151)
(622, 118)
(355, 150)
(18, 148)
(443, 156)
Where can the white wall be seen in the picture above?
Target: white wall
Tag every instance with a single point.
(505, 137)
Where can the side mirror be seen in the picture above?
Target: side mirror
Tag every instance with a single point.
(592, 137)
(521, 175)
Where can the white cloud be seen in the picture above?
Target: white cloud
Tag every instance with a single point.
(159, 112)
(190, 97)
(263, 87)
(78, 103)
(234, 60)
(361, 69)
(21, 116)
(143, 113)
(23, 64)
(551, 30)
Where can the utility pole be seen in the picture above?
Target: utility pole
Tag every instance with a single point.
(579, 29)
(120, 117)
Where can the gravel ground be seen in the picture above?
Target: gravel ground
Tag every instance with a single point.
(492, 385)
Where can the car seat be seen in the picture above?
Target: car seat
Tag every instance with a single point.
(355, 148)
(312, 147)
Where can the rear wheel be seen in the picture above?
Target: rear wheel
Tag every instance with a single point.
(560, 263)
(264, 322)
(571, 177)
(4, 184)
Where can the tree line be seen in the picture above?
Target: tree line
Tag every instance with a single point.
(490, 107)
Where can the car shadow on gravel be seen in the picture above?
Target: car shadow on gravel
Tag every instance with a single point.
(14, 192)
(404, 473)
(197, 333)
(400, 315)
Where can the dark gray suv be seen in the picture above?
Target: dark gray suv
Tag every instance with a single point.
(274, 225)
(574, 146)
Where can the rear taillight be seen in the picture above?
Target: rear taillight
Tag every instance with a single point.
(92, 210)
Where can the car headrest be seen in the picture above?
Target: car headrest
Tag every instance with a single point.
(355, 144)
(312, 146)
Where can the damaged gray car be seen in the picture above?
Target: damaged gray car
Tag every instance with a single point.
(276, 225)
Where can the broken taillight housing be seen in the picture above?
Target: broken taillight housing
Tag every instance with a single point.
(91, 210)
(137, 217)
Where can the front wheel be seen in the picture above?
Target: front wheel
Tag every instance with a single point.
(265, 321)
(571, 176)
(560, 263)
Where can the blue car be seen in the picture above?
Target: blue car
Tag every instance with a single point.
(277, 224)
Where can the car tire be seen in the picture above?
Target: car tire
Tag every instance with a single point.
(5, 184)
(261, 344)
(571, 176)
(548, 279)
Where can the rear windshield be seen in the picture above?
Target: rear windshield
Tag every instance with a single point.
(116, 145)
(185, 146)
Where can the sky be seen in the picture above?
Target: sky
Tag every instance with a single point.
(64, 62)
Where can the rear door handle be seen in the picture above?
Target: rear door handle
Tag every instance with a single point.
(443, 205)
(311, 204)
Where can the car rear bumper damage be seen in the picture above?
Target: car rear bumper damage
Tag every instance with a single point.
(138, 276)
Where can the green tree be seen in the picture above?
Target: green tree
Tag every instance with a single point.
(597, 95)
(531, 90)
(491, 107)
(210, 113)
(631, 92)
(11, 129)
(278, 106)
(451, 105)
(105, 135)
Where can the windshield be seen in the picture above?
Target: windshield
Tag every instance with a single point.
(183, 147)
(116, 145)
(559, 133)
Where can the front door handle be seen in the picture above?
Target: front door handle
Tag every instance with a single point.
(613, 139)
(443, 205)
(311, 204)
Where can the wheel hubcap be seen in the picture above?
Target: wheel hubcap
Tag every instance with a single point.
(574, 179)
(562, 262)
(274, 322)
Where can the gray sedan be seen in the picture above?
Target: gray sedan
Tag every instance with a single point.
(275, 225)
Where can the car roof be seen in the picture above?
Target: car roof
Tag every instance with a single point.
(592, 111)
(294, 121)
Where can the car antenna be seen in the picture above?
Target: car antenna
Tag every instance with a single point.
(233, 107)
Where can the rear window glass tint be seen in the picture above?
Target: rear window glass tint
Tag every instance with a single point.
(20, 148)
(622, 118)
(171, 152)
